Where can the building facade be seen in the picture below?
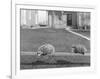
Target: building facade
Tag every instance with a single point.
(55, 19)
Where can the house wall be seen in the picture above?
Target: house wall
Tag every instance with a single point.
(50, 18)
(43, 17)
(64, 20)
(83, 19)
(23, 17)
(28, 18)
(56, 20)
(33, 18)
(74, 17)
(80, 19)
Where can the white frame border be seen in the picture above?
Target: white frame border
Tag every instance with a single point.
(17, 73)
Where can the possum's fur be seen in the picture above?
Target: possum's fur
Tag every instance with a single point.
(79, 49)
(45, 49)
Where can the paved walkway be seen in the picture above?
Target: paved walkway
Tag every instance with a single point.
(78, 34)
(71, 57)
(58, 54)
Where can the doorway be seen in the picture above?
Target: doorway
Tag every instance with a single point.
(69, 19)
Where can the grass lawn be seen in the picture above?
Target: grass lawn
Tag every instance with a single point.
(31, 39)
(63, 40)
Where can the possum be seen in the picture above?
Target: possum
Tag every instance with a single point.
(79, 49)
(45, 49)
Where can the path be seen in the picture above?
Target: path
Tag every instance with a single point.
(78, 34)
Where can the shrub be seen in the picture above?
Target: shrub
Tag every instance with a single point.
(79, 49)
(45, 49)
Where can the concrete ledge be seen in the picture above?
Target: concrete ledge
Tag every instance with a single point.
(71, 57)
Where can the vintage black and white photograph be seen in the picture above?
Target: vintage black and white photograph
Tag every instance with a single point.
(54, 39)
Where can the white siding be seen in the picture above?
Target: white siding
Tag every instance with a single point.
(43, 17)
(23, 17)
(83, 19)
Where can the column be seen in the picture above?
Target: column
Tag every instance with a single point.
(23, 17)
